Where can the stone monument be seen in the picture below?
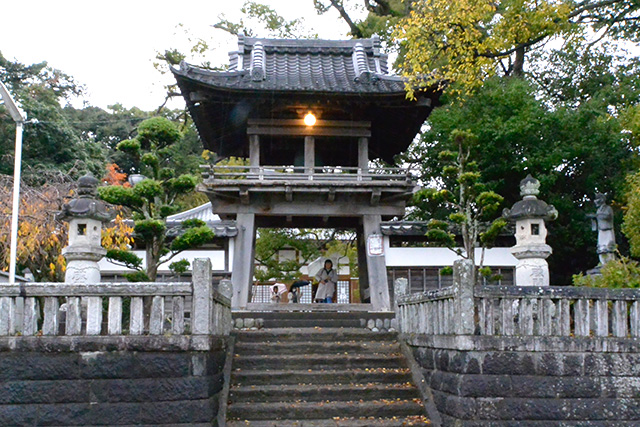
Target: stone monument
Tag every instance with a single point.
(85, 214)
(602, 222)
(531, 249)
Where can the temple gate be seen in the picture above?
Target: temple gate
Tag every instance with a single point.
(313, 117)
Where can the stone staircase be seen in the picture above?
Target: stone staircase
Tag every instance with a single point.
(318, 317)
(321, 377)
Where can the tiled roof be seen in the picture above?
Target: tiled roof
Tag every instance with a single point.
(420, 228)
(204, 213)
(404, 228)
(343, 66)
(345, 80)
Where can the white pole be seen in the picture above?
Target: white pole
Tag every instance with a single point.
(19, 117)
(16, 203)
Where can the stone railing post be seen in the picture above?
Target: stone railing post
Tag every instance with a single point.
(202, 311)
(225, 288)
(400, 289)
(463, 283)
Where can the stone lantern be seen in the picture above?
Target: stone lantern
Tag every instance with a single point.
(531, 249)
(85, 214)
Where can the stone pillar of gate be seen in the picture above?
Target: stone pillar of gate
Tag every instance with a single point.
(363, 279)
(243, 265)
(376, 266)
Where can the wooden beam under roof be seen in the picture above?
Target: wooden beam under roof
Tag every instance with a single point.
(283, 127)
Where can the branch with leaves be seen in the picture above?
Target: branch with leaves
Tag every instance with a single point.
(472, 209)
(466, 41)
(153, 199)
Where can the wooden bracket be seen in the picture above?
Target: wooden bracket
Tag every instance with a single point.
(244, 196)
(332, 195)
(375, 197)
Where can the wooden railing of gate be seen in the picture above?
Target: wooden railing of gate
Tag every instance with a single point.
(300, 173)
(521, 311)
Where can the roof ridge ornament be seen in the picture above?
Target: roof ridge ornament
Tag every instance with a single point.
(257, 62)
(360, 64)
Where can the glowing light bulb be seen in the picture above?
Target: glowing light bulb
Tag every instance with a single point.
(310, 119)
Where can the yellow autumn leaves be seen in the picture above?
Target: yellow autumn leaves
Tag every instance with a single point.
(463, 41)
(41, 237)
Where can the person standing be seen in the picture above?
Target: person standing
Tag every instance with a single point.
(277, 291)
(327, 279)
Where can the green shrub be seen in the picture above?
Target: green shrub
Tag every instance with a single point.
(619, 273)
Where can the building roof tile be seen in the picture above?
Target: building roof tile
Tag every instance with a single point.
(343, 66)
(203, 213)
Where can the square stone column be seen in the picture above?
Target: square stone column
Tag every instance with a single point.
(362, 264)
(376, 267)
(243, 264)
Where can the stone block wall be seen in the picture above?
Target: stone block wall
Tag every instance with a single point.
(89, 382)
(492, 381)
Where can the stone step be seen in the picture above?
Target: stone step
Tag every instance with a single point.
(315, 334)
(288, 315)
(310, 323)
(323, 410)
(315, 392)
(416, 420)
(316, 362)
(317, 377)
(330, 347)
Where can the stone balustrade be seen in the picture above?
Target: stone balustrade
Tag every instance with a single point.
(116, 309)
(525, 355)
(464, 309)
(557, 311)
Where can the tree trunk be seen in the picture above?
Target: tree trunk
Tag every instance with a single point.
(518, 63)
(153, 257)
(152, 265)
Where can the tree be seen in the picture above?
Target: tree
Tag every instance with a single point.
(114, 176)
(41, 236)
(270, 244)
(465, 41)
(274, 24)
(50, 141)
(382, 16)
(624, 272)
(573, 150)
(631, 224)
(308, 245)
(461, 195)
(155, 198)
(106, 128)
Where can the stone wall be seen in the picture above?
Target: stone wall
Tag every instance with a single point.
(110, 380)
(517, 381)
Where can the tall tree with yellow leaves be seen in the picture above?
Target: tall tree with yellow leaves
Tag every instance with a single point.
(466, 41)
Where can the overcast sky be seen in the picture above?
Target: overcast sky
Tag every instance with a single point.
(110, 46)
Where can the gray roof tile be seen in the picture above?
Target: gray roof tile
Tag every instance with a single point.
(303, 65)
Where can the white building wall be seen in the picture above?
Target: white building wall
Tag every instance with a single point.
(440, 257)
(395, 257)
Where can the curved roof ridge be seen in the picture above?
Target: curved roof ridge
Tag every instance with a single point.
(347, 44)
(203, 212)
